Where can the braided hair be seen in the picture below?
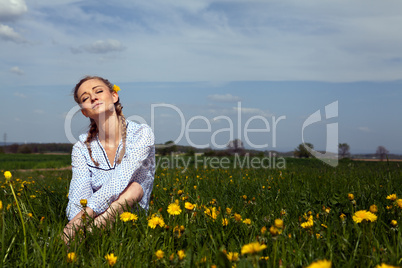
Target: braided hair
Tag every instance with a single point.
(93, 128)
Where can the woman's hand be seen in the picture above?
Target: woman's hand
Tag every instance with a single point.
(76, 223)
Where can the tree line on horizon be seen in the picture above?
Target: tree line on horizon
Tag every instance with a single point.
(235, 146)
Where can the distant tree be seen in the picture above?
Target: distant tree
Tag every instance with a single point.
(343, 150)
(24, 149)
(381, 152)
(13, 148)
(168, 148)
(301, 150)
(190, 152)
(236, 146)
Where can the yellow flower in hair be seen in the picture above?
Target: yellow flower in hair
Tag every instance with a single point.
(116, 88)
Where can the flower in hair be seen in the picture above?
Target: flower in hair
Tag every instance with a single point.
(116, 88)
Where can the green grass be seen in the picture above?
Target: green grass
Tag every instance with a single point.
(306, 186)
(33, 161)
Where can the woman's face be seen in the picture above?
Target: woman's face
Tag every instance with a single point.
(95, 98)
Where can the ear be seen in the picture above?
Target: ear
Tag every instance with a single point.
(115, 96)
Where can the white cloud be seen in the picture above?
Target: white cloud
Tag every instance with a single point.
(224, 98)
(100, 47)
(20, 95)
(17, 70)
(235, 110)
(8, 34)
(255, 111)
(11, 9)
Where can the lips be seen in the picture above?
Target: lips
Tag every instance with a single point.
(96, 105)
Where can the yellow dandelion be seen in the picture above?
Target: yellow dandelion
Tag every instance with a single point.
(244, 197)
(32, 196)
(273, 230)
(189, 206)
(392, 197)
(116, 88)
(1, 205)
(174, 209)
(237, 217)
(247, 221)
(307, 224)
(394, 223)
(156, 221)
(278, 223)
(181, 254)
(71, 257)
(320, 264)
(111, 259)
(128, 216)
(225, 222)
(7, 175)
(362, 215)
(252, 248)
(159, 254)
(232, 256)
(373, 209)
(351, 197)
(342, 216)
(228, 210)
(399, 202)
(263, 230)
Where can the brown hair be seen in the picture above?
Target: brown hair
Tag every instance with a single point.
(93, 128)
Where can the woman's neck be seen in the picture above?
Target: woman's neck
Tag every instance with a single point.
(109, 130)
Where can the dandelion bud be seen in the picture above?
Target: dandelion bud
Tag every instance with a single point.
(83, 203)
(373, 209)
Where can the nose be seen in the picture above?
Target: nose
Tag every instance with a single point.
(93, 97)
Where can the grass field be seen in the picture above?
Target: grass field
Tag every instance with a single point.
(296, 216)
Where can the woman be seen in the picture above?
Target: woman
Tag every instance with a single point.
(113, 165)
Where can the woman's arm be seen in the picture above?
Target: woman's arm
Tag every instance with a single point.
(130, 196)
(80, 186)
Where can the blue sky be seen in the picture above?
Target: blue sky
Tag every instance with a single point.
(207, 59)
